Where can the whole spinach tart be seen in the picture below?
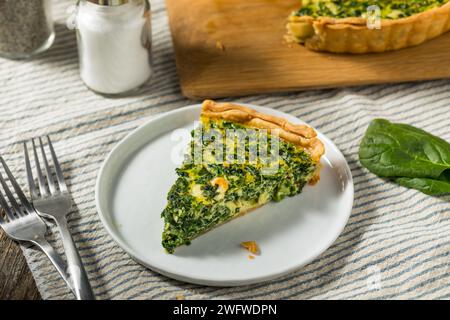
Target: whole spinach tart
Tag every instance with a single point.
(238, 160)
(340, 26)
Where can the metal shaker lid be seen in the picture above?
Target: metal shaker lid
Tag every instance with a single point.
(109, 2)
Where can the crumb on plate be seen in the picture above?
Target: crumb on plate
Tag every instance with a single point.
(251, 246)
(180, 297)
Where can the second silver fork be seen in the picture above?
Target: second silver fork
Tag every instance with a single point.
(53, 201)
(20, 221)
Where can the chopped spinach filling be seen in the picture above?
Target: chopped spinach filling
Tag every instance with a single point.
(195, 204)
(390, 9)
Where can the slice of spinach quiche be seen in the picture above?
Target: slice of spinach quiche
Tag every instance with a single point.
(341, 26)
(238, 159)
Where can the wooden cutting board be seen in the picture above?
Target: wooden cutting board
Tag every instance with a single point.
(235, 47)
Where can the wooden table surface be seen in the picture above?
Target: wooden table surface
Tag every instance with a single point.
(16, 281)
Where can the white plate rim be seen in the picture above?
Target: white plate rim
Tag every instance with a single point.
(211, 282)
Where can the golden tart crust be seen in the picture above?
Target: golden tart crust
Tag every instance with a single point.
(351, 35)
(299, 134)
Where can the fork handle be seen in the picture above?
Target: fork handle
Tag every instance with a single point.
(55, 259)
(77, 273)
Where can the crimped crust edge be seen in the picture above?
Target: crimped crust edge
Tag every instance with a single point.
(299, 134)
(351, 35)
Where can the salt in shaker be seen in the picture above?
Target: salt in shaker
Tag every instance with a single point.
(114, 44)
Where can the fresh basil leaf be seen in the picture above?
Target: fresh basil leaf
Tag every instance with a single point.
(427, 186)
(400, 150)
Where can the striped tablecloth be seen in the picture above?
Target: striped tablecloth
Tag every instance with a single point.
(396, 244)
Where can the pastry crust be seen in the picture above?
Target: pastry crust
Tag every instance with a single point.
(351, 35)
(299, 134)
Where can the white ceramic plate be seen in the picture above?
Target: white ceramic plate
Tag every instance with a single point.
(131, 193)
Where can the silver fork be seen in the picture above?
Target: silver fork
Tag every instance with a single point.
(21, 222)
(55, 203)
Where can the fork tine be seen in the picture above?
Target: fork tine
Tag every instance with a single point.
(48, 173)
(16, 187)
(59, 174)
(5, 207)
(9, 195)
(30, 178)
(42, 186)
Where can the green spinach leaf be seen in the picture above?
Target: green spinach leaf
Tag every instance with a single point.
(427, 186)
(413, 157)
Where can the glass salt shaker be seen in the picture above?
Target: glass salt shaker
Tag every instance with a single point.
(26, 28)
(114, 44)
